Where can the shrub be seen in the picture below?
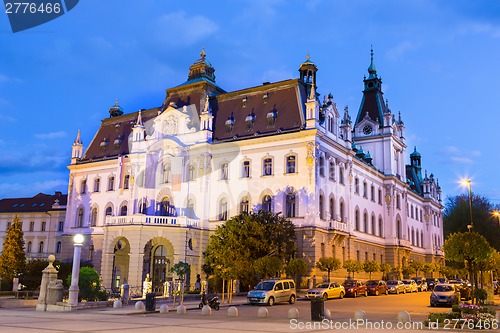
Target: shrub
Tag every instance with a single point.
(89, 283)
(481, 295)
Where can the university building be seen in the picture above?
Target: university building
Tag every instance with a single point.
(152, 185)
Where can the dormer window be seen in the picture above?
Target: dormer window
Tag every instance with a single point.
(117, 143)
(265, 98)
(244, 102)
(104, 144)
(249, 120)
(271, 118)
(229, 124)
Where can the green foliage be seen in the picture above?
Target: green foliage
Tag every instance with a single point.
(353, 266)
(89, 283)
(328, 264)
(296, 267)
(467, 246)
(408, 271)
(417, 265)
(245, 238)
(371, 266)
(385, 268)
(456, 217)
(13, 259)
(480, 294)
(181, 269)
(428, 267)
(267, 267)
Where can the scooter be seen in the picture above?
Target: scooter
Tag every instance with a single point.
(213, 302)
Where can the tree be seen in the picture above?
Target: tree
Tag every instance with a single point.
(407, 271)
(417, 265)
(428, 267)
(456, 217)
(468, 247)
(385, 268)
(371, 266)
(296, 267)
(245, 238)
(353, 266)
(180, 269)
(89, 283)
(328, 264)
(267, 267)
(13, 258)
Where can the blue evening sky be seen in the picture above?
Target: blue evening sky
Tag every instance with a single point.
(439, 61)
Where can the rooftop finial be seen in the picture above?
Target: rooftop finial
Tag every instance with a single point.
(312, 95)
(372, 70)
(139, 119)
(308, 57)
(202, 53)
(78, 139)
(116, 102)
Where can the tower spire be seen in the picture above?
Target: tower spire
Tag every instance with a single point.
(78, 140)
(372, 70)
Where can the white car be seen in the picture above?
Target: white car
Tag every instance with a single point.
(410, 286)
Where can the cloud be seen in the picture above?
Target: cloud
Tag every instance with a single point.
(179, 29)
(460, 156)
(400, 50)
(5, 117)
(28, 162)
(18, 190)
(51, 135)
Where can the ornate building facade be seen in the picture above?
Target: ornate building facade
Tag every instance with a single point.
(153, 184)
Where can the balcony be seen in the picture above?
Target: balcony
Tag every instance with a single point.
(166, 221)
(337, 225)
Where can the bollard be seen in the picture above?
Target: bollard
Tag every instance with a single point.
(404, 317)
(262, 313)
(328, 314)
(117, 304)
(164, 308)
(139, 305)
(206, 310)
(232, 311)
(181, 310)
(360, 315)
(293, 313)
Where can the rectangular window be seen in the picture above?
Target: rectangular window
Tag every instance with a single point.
(32, 226)
(341, 175)
(290, 164)
(83, 188)
(246, 169)
(268, 167)
(192, 173)
(60, 226)
(44, 225)
(8, 225)
(97, 185)
(126, 182)
(166, 173)
(331, 171)
(356, 186)
(111, 183)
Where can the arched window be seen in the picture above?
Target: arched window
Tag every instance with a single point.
(244, 205)
(123, 210)
(365, 190)
(379, 196)
(58, 247)
(332, 209)
(224, 171)
(341, 175)
(83, 186)
(267, 203)
(356, 220)
(412, 236)
(291, 164)
(374, 227)
(356, 185)
(109, 211)
(166, 173)
(97, 184)
(111, 183)
(331, 171)
(28, 247)
(190, 213)
(143, 206)
(421, 238)
(380, 227)
(93, 217)
(398, 229)
(223, 209)
(79, 218)
(321, 166)
(40, 247)
(290, 205)
(341, 211)
(321, 208)
(365, 222)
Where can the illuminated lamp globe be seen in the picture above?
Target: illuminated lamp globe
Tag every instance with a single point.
(78, 239)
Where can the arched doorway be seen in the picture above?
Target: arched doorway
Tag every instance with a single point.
(121, 256)
(158, 257)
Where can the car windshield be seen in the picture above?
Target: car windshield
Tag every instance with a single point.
(406, 282)
(265, 285)
(350, 283)
(323, 285)
(372, 283)
(392, 282)
(443, 288)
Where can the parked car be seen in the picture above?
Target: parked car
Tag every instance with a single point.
(410, 285)
(376, 287)
(396, 287)
(273, 291)
(355, 288)
(431, 283)
(421, 284)
(444, 294)
(326, 290)
(442, 280)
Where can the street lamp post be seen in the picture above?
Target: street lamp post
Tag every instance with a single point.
(467, 183)
(496, 213)
(75, 274)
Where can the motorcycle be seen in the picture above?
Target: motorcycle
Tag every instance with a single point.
(213, 302)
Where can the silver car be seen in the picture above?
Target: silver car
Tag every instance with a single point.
(273, 291)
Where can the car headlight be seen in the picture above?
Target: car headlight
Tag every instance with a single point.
(434, 296)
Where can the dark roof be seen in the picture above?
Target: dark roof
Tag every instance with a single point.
(39, 203)
(284, 99)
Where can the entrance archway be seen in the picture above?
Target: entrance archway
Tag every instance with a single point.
(158, 258)
(121, 257)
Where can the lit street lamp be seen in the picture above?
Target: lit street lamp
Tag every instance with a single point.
(496, 213)
(75, 274)
(467, 182)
